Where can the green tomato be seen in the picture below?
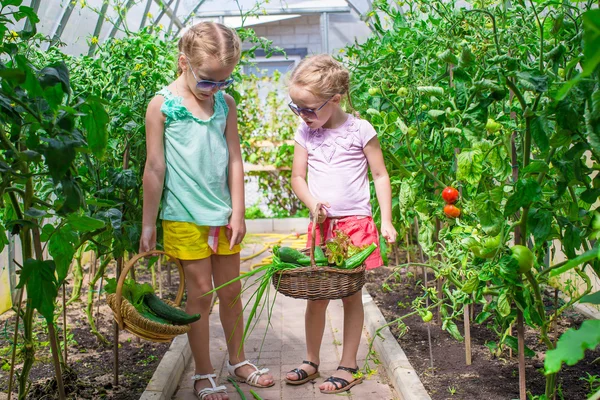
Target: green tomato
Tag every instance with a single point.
(561, 72)
(373, 91)
(492, 126)
(428, 316)
(524, 256)
(402, 92)
(492, 242)
(412, 131)
(408, 101)
(424, 107)
(417, 142)
(252, 159)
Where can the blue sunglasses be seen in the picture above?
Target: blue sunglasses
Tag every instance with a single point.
(307, 112)
(205, 84)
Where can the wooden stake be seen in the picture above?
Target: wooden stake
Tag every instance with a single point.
(116, 334)
(521, 337)
(65, 319)
(424, 270)
(467, 324)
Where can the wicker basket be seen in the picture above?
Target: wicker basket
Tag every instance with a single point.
(127, 316)
(319, 283)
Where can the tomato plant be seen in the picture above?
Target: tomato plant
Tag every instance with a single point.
(511, 113)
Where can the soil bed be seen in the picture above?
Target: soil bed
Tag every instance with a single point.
(487, 378)
(91, 362)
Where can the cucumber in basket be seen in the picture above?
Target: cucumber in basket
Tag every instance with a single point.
(143, 299)
(172, 314)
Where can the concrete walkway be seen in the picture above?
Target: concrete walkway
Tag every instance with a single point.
(284, 350)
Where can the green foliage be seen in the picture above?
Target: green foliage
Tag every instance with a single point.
(572, 345)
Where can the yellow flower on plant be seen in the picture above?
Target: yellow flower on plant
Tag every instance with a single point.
(160, 27)
(13, 36)
(95, 40)
(144, 73)
(13, 105)
(137, 67)
(149, 15)
(82, 2)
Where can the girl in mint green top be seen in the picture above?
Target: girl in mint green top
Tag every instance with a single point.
(196, 182)
(194, 166)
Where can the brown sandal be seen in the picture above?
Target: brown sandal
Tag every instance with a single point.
(303, 376)
(342, 385)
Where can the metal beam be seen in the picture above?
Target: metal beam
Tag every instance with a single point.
(63, 23)
(35, 4)
(277, 11)
(98, 28)
(163, 12)
(174, 13)
(324, 32)
(190, 15)
(146, 11)
(169, 12)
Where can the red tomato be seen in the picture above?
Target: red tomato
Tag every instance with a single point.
(451, 211)
(450, 195)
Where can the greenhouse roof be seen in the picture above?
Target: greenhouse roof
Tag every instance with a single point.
(80, 24)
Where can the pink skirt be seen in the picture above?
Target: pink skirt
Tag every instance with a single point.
(362, 231)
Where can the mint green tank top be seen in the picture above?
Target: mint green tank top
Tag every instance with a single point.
(197, 157)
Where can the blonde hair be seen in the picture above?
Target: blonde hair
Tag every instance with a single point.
(210, 39)
(323, 76)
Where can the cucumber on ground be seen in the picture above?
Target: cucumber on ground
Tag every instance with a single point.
(173, 314)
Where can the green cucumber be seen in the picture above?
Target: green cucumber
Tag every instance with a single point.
(293, 256)
(357, 259)
(173, 314)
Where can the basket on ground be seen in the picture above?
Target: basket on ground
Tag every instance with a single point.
(319, 283)
(130, 319)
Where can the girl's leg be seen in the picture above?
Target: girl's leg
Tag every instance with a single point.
(314, 326)
(226, 268)
(198, 281)
(354, 315)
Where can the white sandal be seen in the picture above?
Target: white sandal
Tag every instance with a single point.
(202, 394)
(253, 378)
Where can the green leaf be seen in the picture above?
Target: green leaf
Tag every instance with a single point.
(62, 249)
(406, 195)
(83, 223)
(581, 259)
(42, 287)
(532, 81)
(593, 298)
(58, 155)
(452, 329)
(527, 191)
(513, 343)
(503, 305)
(536, 167)
(572, 345)
(56, 74)
(590, 196)
(539, 127)
(470, 166)
(540, 221)
(95, 123)
(72, 197)
(591, 41)
(482, 317)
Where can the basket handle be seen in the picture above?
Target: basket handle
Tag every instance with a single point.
(130, 264)
(315, 221)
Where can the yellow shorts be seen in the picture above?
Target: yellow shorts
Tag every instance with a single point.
(188, 241)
